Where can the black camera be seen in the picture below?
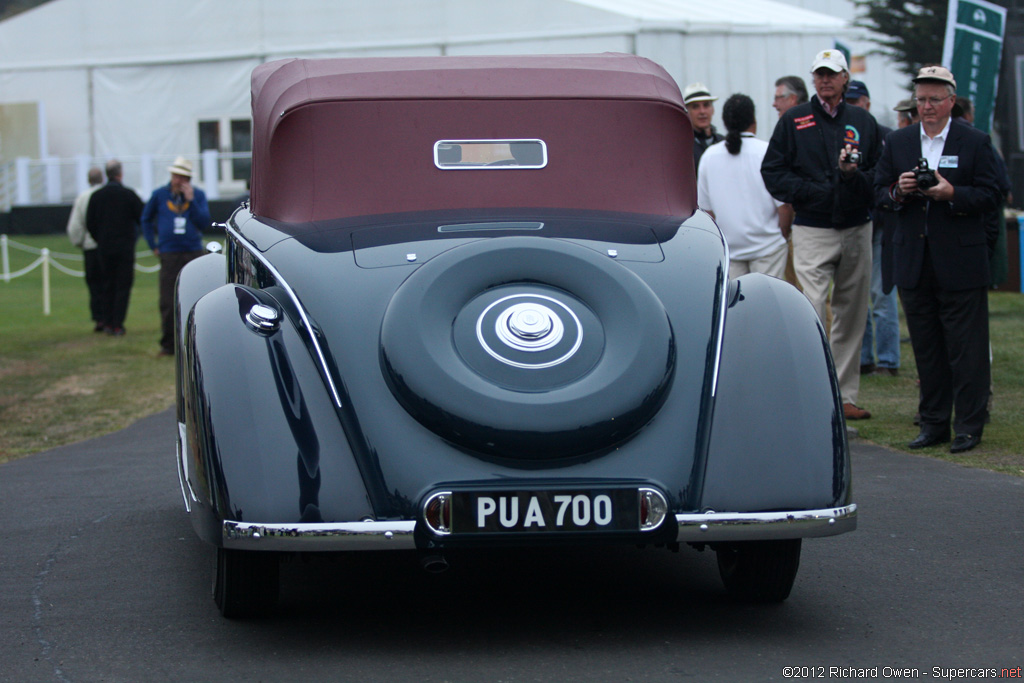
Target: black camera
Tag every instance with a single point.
(924, 176)
(853, 157)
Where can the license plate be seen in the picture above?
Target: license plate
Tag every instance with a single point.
(545, 511)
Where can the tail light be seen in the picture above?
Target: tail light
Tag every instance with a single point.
(653, 509)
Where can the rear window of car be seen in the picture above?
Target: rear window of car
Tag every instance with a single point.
(459, 155)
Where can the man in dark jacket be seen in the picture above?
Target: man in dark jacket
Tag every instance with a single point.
(821, 160)
(112, 219)
(940, 257)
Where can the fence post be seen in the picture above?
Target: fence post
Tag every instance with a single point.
(4, 258)
(211, 165)
(53, 188)
(23, 178)
(146, 175)
(82, 162)
(46, 281)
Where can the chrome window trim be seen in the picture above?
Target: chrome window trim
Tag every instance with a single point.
(490, 141)
(706, 527)
(280, 281)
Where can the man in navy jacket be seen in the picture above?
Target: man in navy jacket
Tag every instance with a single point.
(940, 257)
(810, 164)
(179, 213)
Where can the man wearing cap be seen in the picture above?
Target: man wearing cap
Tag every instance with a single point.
(810, 164)
(698, 99)
(906, 113)
(940, 258)
(882, 328)
(172, 224)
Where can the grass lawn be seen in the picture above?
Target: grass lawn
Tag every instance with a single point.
(60, 382)
(893, 400)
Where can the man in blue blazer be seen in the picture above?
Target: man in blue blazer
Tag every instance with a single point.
(940, 257)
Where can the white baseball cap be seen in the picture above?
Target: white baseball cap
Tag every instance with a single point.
(830, 59)
(935, 74)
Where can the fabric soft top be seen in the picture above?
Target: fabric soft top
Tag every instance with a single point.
(307, 120)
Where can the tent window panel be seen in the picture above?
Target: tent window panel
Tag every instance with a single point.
(209, 135)
(241, 141)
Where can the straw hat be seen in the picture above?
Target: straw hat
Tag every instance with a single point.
(181, 166)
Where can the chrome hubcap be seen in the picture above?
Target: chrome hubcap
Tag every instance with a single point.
(531, 323)
(529, 327)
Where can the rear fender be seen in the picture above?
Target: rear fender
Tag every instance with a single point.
(199, 277)
(778, 438)
(264, 442)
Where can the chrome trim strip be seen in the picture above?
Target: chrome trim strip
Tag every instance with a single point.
(765, 526)
(251, 248)
(721, 318)
(395, 535)
(181, 443)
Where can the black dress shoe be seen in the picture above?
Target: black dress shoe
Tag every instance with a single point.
(924, 440)
(964, 442)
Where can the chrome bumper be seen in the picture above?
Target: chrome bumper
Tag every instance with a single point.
(708, 527)
(320, 537)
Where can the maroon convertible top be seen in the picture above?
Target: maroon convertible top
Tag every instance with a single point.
(349, 137)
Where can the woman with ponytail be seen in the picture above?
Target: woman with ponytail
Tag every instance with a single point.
(730, 188)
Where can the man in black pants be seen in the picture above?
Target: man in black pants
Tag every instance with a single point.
(940, 257)
(113, 221)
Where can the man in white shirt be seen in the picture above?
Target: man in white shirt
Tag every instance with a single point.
(81, 238)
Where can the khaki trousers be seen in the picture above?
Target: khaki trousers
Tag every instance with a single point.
(772, 264)
(840, 259)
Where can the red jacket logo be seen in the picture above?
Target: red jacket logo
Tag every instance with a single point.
(804, 122)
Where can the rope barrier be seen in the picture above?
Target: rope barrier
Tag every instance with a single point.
(46, 259)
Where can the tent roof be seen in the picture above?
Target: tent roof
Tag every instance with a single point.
(75, 33)
(720, 13)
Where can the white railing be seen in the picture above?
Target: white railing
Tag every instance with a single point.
(25, 182)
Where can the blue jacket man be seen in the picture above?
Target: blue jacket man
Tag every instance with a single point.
(172, 223)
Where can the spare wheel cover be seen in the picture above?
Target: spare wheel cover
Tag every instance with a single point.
(528, 348)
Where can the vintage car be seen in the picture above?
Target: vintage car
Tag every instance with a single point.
(472, 303)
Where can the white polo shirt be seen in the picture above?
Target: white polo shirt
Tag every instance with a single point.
(731, 187)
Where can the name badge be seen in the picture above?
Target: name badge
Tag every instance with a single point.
(180, 222)
(949, 162)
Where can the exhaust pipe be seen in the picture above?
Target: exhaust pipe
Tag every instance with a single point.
(434, 564)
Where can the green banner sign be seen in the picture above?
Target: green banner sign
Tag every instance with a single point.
(972, 51)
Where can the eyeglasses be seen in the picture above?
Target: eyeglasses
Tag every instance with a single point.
(934, 101)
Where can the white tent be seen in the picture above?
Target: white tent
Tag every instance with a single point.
(127, 78)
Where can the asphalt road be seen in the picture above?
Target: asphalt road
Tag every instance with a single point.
(102, 579)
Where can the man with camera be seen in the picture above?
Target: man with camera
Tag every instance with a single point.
(821, 160)
(940, 177)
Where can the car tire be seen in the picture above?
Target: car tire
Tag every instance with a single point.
(245, 583)
(604, 374)
(759, 571)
